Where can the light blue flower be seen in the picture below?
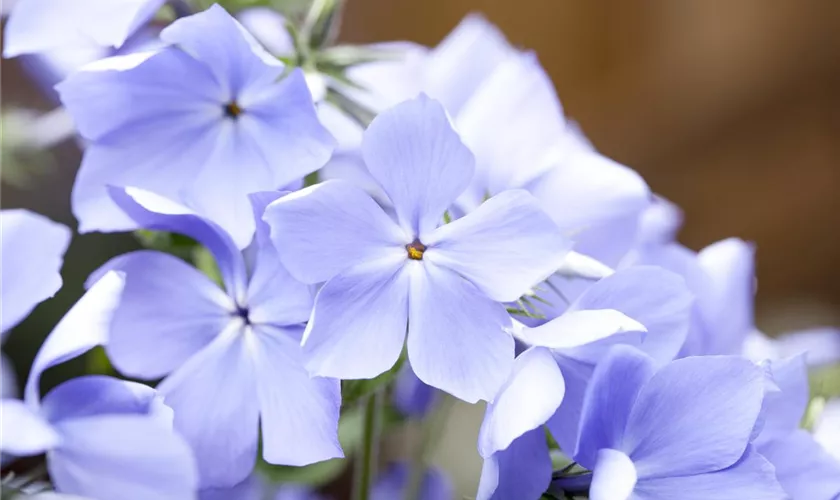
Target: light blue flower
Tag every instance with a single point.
(443, 282)
(206, 120)
(231, 356)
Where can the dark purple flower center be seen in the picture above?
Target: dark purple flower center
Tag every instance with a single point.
(415, 250)
(243, 312)
(232, 109)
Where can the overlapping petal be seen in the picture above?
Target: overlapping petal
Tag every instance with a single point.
(24, 431)
(523, 470)
(614, 476)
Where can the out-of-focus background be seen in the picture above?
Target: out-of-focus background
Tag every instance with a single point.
(729, 109)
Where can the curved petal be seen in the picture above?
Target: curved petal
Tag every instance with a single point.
(85, 326)
(358, 326)
(695, 415)
(91, 395)
(24, 432)
(804, 469)
(521, 471)
(458, 339)
(214, 397)
(42, 25)
(505, 247)
(783, 409)
(609, 400)
(411, 396)
(463, 60)
(298, 417)
(614, 476)
(577, 328)
(751, 477)
(421, 163)
(526, 401)
(728, 302)
(157, 213)
(656, 298)
(168, 312)
(513, 123)
(122, 456)
(32, 253)
(330, 227)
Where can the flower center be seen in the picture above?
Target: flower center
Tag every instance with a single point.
(232, 109)
(415, 250)
(243, 312)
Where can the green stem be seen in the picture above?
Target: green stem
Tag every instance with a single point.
(366, 464)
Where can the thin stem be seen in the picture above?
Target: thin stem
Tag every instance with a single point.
(366, 466)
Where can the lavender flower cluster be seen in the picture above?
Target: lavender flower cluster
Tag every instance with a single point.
(368, 226)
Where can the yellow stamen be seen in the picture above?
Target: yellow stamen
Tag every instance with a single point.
(415, 250)
(232, 109)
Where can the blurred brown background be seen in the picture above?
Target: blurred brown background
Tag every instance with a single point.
(729, 109)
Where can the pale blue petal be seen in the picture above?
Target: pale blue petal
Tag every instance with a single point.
(750, 478)
(91, 395)
(821, 345)
(32, 252)
(214, 397)
(656, 298)
(24, 431)
(274, 296)
(85, 326)
(298, 413)
(521, 471)
(804, 468)
(528, 399)
(458, 340)
(564, 424)
(153, 212)
(168, 312)
(463, 60)
(419, 160)
(8, 379)
(609, 399)
(696, 415)
(513, 123)
(411, 396)
(42, 25)
(727, 303)
(358, 326)
(613, 477)
(578, 328)
(269, 27)
(784, 408)
(122, 456)
(505, 247)
(331, 227)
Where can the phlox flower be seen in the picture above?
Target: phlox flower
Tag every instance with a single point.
(104, 438)
(684, 431)
(445, 283)
(32, 250)
(231, 356)
(206, 120)
(394, 483)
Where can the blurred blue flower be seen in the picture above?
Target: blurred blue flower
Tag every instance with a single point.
(445, 282)
(393, 483)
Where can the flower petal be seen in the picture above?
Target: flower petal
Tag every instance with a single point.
(411, 396)
(577, 328)
(783, 409)
(298, 418)
(32, 253)
(85, 326)
(457, 338)
(614, 476)
(804, 469)
(523, 470)
(122, 456)
(421, 163)
(153, 212)
(751, 477)
(24, 431)
(609, 399)
(394, 483)
(168, 312)
(696, 415)
(42, 25)
(656, 298)
(214, 397)
(91, 395)
(505, 247)
(526, 401)
(358, 326)
(328, 228)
